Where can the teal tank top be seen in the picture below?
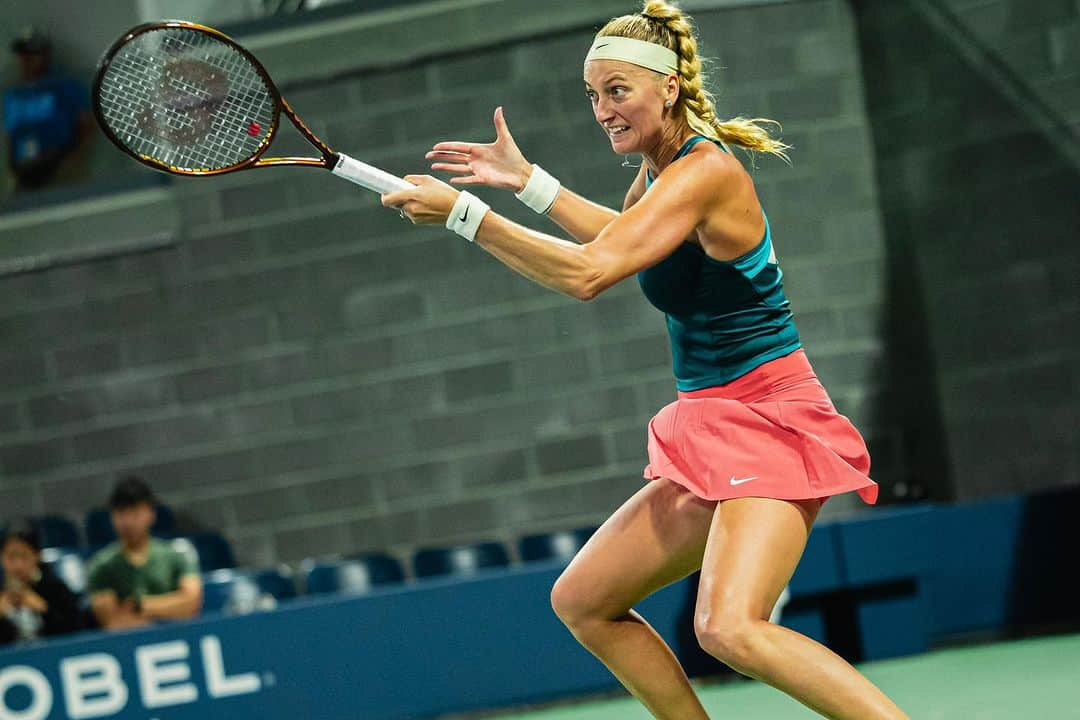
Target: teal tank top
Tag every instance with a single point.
(724, 318)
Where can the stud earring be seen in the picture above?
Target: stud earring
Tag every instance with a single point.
(668, 103)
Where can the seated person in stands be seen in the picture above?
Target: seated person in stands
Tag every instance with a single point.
(140, 579)
(46, 117)
(34, 602)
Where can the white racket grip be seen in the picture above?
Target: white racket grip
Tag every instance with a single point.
(368, 176)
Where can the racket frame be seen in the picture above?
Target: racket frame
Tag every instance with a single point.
(328, 161)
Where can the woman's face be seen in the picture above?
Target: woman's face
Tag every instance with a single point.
(19, 559)
(628, 102)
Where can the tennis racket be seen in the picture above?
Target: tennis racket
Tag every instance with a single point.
(189, 100)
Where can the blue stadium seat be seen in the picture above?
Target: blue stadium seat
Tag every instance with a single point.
(245, 591)
(358, 574)
(278, 582)
(165, 524)
(548, 546)
(99, 527)
(461, 560)
(229, 590)
(57, 531)
(215, 552)
(67, 564)
(211, 550)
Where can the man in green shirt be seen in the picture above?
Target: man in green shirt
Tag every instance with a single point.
(139, 579)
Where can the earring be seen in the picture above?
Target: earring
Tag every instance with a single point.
(668, 103)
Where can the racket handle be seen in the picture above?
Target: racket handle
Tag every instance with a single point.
(367, 176)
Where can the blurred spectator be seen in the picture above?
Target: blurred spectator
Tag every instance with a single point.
(46, 116)
(139, 579)
(34, 603)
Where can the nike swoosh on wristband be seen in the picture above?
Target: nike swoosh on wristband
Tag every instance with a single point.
(464, 215)
(740, 482)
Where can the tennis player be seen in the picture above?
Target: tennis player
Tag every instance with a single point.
(743, 459)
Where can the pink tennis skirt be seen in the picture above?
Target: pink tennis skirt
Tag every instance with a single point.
(773, 432)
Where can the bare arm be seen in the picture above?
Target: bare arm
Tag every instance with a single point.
(583, 218)
(645, 234)
(104, 605)
(183, 603)
(501, 164)
(112, 614)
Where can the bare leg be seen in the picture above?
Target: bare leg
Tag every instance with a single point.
(753, 548)
(654, 539)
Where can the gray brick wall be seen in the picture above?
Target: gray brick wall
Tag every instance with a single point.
(308, 374)
(981, 213)
(1039, 41)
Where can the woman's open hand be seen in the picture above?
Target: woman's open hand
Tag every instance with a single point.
(498, 164)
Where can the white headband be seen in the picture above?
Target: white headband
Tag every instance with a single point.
(638, 52)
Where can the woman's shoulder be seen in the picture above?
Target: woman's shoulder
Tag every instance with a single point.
(716, 153)
(709, 167)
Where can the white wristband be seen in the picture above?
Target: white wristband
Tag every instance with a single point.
(467, 214)
(541, 190)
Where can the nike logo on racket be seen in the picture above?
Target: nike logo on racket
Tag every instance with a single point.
(740, 482)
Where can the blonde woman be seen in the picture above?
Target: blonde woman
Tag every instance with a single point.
(741, 462)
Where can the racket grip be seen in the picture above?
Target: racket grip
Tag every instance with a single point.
(367, 176)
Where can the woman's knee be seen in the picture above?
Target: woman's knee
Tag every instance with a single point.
(573, 601)
(730, 637)
(568, 600)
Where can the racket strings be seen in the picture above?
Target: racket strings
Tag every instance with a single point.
(186, 100)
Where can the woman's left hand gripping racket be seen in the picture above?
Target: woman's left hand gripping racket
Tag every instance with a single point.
(186, 99)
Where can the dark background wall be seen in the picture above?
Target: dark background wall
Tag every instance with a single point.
(1038, 41)
(980, 194)
(294, 366)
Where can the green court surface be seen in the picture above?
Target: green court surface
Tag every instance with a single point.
(1029, 679)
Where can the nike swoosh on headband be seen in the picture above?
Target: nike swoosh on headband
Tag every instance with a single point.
(653, 56)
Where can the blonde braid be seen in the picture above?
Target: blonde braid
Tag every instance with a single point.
(665, 24)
